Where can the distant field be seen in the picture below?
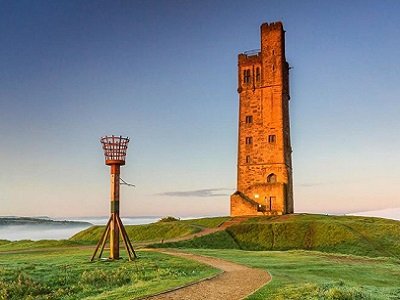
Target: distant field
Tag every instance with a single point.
(27, 244)
(366, 236)
(38, 221)
(300, 275)
(66, 273)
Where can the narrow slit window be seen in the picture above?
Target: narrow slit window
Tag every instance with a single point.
(248, 159)
(258, 74)
(249, 119)
(249, 140)
(272, 138)
(246, 76)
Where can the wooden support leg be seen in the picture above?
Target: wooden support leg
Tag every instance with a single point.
(102, 240)
(126, 237)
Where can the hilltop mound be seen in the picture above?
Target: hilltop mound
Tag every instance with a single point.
(364, 236)
(158, 231)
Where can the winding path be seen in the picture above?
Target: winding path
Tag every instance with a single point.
(235, 282)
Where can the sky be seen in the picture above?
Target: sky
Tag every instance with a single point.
(164, 73)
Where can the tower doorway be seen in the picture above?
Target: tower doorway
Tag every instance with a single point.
(271, 202)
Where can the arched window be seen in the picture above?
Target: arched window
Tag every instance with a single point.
(271, 178)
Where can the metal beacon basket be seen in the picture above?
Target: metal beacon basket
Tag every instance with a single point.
(115, 148)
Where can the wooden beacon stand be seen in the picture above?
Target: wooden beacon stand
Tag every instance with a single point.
(115, 148)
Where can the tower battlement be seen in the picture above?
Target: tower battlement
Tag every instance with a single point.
(272, 26)
(246, 58)
(264, 168)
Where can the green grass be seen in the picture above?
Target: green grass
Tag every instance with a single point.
(218, 240)
(364, 236)
(6, 245)
(140, 233)
(315, 275)
(60, 270)
(155, 232)
(207, 222)
(68, 274)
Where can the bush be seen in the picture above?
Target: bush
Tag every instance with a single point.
(168, 219)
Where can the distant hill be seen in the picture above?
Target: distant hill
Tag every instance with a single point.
(4, 221)
(154, 232)
(363, 236)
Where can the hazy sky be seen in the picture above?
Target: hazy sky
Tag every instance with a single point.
(165, 74)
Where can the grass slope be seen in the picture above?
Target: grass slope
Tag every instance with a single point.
(206, 222)
(300, 275)
(217, 240)
(140, 233)
(68, 274)
(153, 232)
(6, 245)
(365, 236)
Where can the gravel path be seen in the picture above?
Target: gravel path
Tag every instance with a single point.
(236, 281)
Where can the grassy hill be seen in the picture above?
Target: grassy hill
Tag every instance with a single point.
(364, 236)
(60, 269)
(153, 232)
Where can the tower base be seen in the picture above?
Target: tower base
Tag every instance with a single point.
(243, 205)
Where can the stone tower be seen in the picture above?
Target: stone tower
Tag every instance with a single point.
(264, 167)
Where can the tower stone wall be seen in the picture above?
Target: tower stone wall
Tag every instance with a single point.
(264, 166)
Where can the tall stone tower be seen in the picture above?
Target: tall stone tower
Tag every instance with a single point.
(264, 167)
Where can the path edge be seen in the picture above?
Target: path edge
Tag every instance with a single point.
(180, 286)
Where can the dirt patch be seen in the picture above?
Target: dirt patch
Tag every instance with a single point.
(236, 281)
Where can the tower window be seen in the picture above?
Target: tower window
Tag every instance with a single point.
(248, 160)
(272, 138)
(258, 74)
(246, 76)
(249, 140)
(249, 119)
(271, 178)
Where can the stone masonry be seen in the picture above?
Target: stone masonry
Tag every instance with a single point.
(264, 167)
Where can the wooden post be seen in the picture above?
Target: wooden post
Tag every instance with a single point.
(114, 230)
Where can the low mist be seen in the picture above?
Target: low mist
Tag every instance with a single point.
(38, 232)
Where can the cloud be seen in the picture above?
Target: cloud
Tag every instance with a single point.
(204, 193)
